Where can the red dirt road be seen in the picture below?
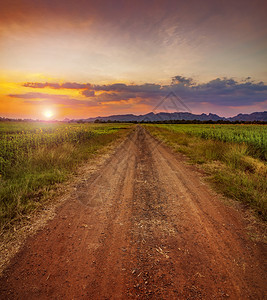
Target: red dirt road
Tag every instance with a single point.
(144, 226)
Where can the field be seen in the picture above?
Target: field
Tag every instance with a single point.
(233, 155)
(140, 221)
(254, 136)
(36, 156)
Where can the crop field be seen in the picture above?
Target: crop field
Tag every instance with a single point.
(254, 136)
(18, 142)
(35, 156)
(234, 156)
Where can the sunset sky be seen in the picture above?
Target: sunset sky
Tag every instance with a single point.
(79, 59)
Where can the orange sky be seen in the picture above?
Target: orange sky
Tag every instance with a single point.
(95, 46)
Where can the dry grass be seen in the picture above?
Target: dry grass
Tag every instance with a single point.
(230, 167)
(32, 175)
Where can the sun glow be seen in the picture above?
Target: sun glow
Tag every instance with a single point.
(48, 113)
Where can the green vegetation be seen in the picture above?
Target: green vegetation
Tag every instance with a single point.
(254, 136)
(36, 156)
(234, 156)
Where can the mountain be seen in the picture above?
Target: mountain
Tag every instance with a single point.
(163, 116)
(256, 116)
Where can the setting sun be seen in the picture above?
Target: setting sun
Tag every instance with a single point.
(48, 114)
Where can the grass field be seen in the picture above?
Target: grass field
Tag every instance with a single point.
(234, 156)
(36, 156)
(254, 136)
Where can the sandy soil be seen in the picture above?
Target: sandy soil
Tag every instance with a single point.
(144, 226)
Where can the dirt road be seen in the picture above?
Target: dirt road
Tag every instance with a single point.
(144, 226)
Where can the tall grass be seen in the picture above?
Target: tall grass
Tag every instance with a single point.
(35, 157)
(253, 136)
(235, 169)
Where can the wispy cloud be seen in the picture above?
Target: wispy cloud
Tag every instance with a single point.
(133, 40)
(66, 85)
(41, 99)
(31, 96)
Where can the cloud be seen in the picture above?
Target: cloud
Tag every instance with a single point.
(50, 99)
(219, 91)
(31, 96)
(89, 89)
(182, 80)
(121, 87)
(88, 93)
(133, 15)
(34, 99)
(115, 97)
(75, 85)
(66, 85)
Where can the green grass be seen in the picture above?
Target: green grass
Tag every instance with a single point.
(237, 166)
(253, 136)
(34, 157)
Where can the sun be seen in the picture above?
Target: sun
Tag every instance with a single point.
(48, 113)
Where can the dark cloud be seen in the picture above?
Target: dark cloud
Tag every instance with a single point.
(182, 80)
(116, 97)
(75, 85)
(88, 93)
(121, 87)
(111, 96)
(219, 91)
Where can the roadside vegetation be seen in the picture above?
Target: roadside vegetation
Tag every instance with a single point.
(34, 157)
(233, 155)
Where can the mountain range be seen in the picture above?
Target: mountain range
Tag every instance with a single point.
(164, 116)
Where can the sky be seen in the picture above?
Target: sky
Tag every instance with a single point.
(78, 59)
